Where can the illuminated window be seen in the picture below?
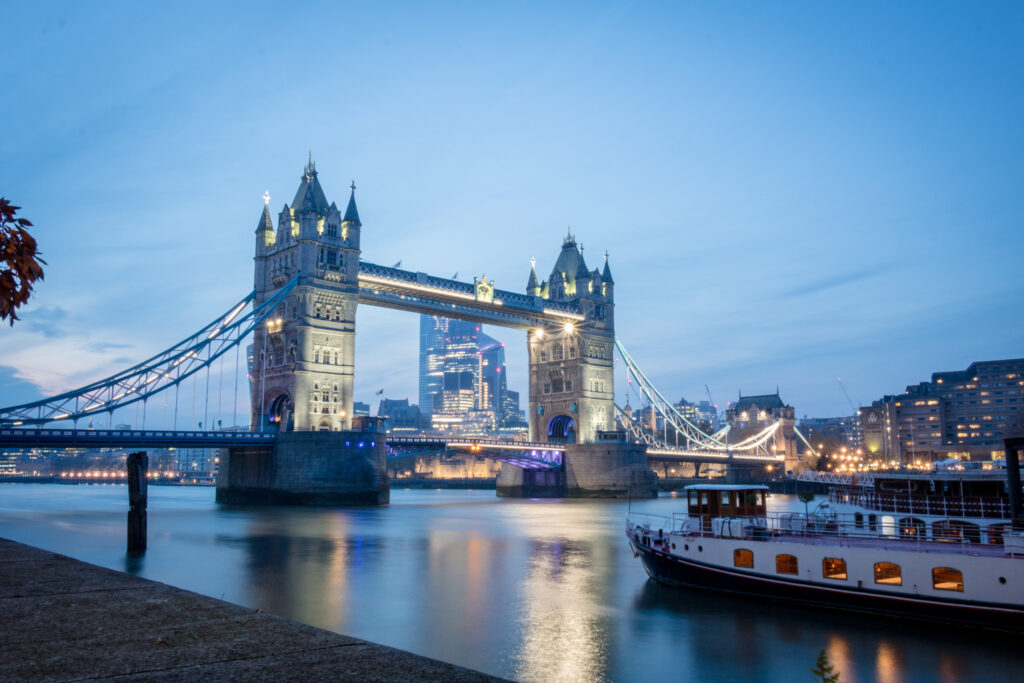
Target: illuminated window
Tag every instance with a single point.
(888, 573)
(833, 568)
(948, 579)
(786, 564)
(743, 558)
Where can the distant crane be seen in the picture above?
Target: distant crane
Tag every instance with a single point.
(853, 408)
(707, 390)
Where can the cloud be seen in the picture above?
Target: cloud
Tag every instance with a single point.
(14, 390)
(47, 321)
(100, 347)
(833, 281)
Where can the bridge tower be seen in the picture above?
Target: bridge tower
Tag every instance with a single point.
(303, 356)
(571, 373)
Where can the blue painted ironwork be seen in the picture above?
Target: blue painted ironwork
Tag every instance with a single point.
(128, 438)
(531, 456)
(162, 371)
(423, 293)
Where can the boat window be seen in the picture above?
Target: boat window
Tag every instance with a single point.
(786, 564)
(889, 573)
(858, 519)
(956, 530)
(833, 568)
(703, 497)
(725, 497)
(996, 533)
(743, 558)
(948, 579)
(913, 527)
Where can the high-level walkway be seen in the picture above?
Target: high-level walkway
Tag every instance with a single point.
(67, 620)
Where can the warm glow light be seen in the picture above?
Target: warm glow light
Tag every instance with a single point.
(569, 327)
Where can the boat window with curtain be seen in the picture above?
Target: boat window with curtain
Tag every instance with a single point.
(833, 568)
(888, 573)
(948, 579)
(786, 564)
(743, 558)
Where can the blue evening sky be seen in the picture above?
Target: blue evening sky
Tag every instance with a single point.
(789, 192)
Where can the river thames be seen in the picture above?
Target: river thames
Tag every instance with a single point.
(535, 590)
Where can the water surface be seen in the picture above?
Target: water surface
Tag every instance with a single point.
(535, 590)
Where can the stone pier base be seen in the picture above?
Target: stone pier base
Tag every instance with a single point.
(307, 468)
(598, 470)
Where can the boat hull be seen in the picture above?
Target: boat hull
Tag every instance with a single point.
(673, 570)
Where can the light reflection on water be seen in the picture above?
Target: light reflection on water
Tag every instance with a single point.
(534, 590)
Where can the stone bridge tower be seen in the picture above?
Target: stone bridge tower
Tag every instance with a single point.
(303, 354)
(571, 373)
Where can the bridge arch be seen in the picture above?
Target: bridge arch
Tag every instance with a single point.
(280, 413)
(562, 429)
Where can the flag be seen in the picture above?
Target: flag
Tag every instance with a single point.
(379, 392)
(398, 265)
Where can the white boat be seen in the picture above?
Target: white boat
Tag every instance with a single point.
(844, 554)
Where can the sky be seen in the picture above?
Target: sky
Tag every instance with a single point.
(789, 192)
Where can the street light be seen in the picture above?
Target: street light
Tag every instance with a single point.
(569, 327)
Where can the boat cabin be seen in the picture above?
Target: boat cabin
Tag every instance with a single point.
(708, 501)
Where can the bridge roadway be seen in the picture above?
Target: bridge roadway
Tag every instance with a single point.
(522, 454)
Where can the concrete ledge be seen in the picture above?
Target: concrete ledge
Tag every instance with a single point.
(66, 620)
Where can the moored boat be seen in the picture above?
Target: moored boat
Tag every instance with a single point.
(850, 558)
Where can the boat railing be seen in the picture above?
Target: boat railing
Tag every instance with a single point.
(824, 525)
(968, 506)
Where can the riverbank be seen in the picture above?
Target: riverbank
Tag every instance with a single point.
(65, 619)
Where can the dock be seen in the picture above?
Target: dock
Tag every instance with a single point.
(64, 620)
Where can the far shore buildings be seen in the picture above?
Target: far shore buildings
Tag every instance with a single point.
(960, 414)
(750, 415)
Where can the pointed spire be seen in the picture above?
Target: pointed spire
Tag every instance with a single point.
(351, 213)
(606, 276)
(266, 222)
(533, 286)
(581, 270)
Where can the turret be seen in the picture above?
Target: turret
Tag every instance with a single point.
(265, 237)
(607, 283)
(532, 285)
(350, 224)
(582, 278)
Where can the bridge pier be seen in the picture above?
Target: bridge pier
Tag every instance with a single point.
(307, 468)
(594, 470)
(745, 474)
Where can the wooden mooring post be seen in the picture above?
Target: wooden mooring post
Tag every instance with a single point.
(138, 468)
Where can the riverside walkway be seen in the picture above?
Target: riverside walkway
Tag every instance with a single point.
(68, 620)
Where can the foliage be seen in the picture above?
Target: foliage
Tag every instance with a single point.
(805, 496)
(20, 265)
(824, 670)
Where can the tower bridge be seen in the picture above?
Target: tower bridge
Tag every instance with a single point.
(309, 279)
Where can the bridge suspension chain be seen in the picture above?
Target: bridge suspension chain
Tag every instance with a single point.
(698, 438)
(165, 370)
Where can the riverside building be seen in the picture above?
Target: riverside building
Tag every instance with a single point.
(960, 414)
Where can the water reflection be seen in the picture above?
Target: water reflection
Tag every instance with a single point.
(534, 590)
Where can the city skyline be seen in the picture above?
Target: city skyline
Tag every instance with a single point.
(799, 198)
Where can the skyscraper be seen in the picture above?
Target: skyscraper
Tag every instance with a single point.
(433, 331)
(462, 370)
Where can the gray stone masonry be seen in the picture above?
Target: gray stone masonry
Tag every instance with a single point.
(307, 468)
(67, 620)
(596, 470)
